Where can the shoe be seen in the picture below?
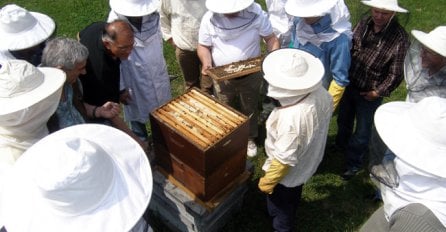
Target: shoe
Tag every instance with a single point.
(252, 149)
(350, 173)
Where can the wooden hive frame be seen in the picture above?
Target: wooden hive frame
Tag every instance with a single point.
(236, 69)
(200, 118)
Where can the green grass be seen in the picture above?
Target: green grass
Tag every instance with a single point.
(328, 203)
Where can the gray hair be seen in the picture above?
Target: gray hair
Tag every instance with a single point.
(63, 52)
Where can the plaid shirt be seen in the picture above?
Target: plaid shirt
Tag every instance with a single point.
(378, 58)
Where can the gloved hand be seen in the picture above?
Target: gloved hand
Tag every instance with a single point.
(336, 92)
(272, 176)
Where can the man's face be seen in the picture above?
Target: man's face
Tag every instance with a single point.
(431, 60)
(122, 46)
(381, 17)
(78, 69)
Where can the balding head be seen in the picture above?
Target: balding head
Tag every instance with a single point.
(118, 39)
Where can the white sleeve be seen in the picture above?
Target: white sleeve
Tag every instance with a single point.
(265, 24)
(165, 20)
(204, 34)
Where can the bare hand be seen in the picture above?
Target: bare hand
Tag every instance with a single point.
(204, 69)
(109, 110)
(370, 95)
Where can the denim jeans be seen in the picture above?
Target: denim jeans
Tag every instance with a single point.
(354, 138)
(139, 129)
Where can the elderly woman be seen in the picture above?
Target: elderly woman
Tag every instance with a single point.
(71, 56)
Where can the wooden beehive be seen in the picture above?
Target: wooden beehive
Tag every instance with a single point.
(200, 142)
(236, 69)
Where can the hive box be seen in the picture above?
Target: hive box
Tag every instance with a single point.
(180, 212)
(200, 142)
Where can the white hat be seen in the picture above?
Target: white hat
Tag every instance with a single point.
(434, 40)
(134, 8)
(390, 5)
(309, 8)
(23, 85)
(87, 177)
(21, 29)
(292, 69)
(416, 132)
(227, 6)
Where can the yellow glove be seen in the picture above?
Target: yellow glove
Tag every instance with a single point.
(336, 92)
(272, 176)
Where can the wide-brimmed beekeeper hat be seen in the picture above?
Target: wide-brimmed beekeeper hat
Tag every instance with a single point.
(87, 177)
(434, 40)
(309, 8)
(227, 6)
(416, 132)
(23, 85)
(21, 29)
(390, 5)
(292, 70)
(134, 8)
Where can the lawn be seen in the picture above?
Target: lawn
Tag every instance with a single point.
(328, 203)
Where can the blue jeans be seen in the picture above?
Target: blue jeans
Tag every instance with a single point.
(354, 139)
(139, 129)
